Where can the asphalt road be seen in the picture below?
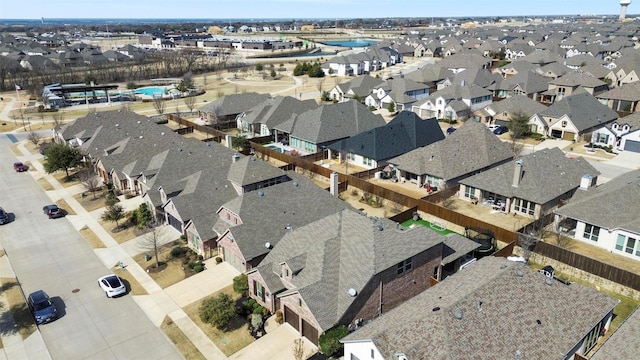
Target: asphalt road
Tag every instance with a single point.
(51, 255)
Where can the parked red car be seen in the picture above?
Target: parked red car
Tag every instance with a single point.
(20, 167)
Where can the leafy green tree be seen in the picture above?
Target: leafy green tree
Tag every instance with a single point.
(273, 73)
(259, 67)
(391, 107)
(519, 125)
(330, 341)
(143, 215)
(114, 213)
(239, 142)
(218, 311)
(61, 157)
(241, 284)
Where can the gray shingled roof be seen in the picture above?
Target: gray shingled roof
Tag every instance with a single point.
(471, 148)
(628, 92)
(234, 104)
(514, 104)
(612, 205)
(249, 170)
(583, 109)
(407, 131)
(346, 250)
(274, 111)
(361, 85)
(561, 175)
(578, 78)
(265, 217)
(332, 122)
(542, 321)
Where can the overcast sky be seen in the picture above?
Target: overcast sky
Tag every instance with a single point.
(297, 9)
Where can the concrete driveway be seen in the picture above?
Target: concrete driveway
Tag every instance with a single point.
(276, 344)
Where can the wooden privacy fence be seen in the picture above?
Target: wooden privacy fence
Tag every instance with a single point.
(426, 205)
(592, 266)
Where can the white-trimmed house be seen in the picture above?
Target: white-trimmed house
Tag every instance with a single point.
(626, 128)
(607, 216)
(453, 102)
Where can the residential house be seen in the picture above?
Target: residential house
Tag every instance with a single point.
(262, 118)
(457, 318)
(607, 216)
(471, 149)
(469, 59)
(617, 345)
(453, 102)
(515, 187)
(400, 92)
(572, 117)
(346, 269)
(245, 235)
(627, 68)
(429, 75)
(612, 134)
(501, 112)
(357, 89)
(527, 83)
(622, 99)
(371, 149)
(225, 110)
(570, 83)
(312, 130)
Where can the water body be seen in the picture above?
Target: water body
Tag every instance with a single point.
(349, 43)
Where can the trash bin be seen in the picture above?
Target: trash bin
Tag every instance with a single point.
(83, 195)
(147, 257)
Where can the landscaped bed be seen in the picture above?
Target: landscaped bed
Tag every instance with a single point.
(236, 337)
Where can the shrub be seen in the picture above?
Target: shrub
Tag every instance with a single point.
(218, 311)
(183, 238)
(258, 310)
(279, 318)
(198, 268)
(218, 259)
(162, 121)
(329, 342)
(178, 251)
(241, 284)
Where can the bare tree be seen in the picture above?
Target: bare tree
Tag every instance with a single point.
(517, 145)
(151, 242)
(58, 118)
(91, 181)
(158, 103)
(35, 138)
(190, 101)
(319, 85)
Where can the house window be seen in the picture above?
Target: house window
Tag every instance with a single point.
(564, 123)
(404, 266)
(373, 354)
(286, 273)
(260, 292)
(631, 243)
(620, 242)
(591, 232)
(524, 206)
(300, 302)
(469, 192)
(603, 138)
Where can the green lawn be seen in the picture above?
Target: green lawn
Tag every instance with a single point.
(427, 224)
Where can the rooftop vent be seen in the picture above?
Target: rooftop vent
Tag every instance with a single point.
(352, 292)
(548, 281)
(437, 308)
(519, 273)
(260, 193)
(380, 228)
(457, 314)
(295, 184)
(267, 245)
(288, 227)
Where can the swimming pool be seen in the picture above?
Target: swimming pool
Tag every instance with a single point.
(350, 43)
(276, 148)
(152, 91)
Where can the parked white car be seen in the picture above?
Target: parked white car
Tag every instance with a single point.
(112, 285)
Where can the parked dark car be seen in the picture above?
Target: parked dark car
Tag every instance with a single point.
(53, 211)
(44, 148)
(500, 130)
(450, 130)
(42, 307)
(4, 217)
(20, 167)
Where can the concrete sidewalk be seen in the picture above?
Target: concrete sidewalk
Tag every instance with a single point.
(157, 305)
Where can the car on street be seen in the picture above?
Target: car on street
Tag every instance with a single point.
(112, 285)
(42, 307)
(4, 217)
(450, 130)
(20, 167)
(501, 129)
(53, 211)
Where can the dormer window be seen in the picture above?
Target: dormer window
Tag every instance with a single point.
(564, 123)
(614, 126)
(625, 128)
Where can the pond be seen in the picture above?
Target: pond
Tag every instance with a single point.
(350, 43)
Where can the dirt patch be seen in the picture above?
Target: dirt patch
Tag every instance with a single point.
(92, 239)
(133, 286)
(15, 151)
(89, 202)
(581, 148)
(64, 206)
(44, 184)
(18, 308)
(180, 340)
(230, 341)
